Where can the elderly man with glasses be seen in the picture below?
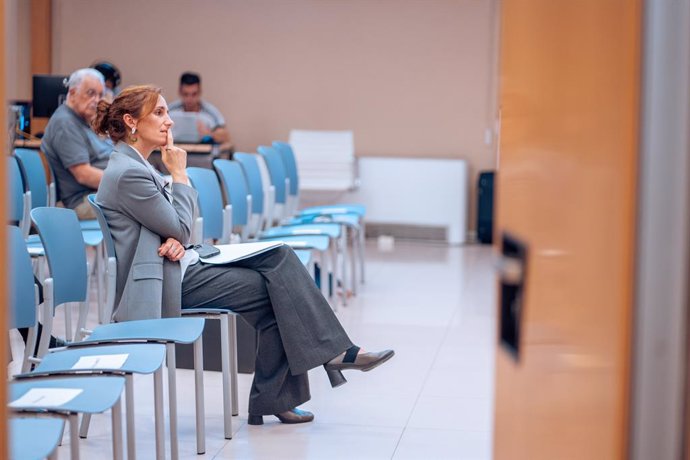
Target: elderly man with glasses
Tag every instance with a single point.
(75, 152)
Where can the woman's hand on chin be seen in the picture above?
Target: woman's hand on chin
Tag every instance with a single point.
(175, 160)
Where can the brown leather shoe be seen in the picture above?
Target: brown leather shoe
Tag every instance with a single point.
(353, 359)
(289, 416)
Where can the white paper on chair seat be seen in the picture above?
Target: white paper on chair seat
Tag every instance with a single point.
(46, 397)
(234, 252)
(115, 361)
(297, 244)
(307, 231)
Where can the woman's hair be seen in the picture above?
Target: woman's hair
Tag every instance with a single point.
(138, 101)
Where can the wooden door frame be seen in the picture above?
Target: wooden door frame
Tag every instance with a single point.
(4, 272)
(659, 390)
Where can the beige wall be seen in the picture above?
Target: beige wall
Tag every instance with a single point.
(411, 78)
(17, 49)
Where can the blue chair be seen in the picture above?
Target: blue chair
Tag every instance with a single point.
(43, 192)
(59, 231)
(279, 181)
(236, 191)
(20, 197)
(92, 395)
(141, 358)
(42, 195)
(319, 245)
(23, 293)
(217, 220)
(351, 215)
(68, 282)
(35, 176)
(250, 166)
(228, 328)
(290, 162)
(252, 174)
(34, 438)
(336, 231)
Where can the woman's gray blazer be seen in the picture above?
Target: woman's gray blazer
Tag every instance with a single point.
(141, 217)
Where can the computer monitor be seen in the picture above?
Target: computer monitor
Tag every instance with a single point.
(49, 91)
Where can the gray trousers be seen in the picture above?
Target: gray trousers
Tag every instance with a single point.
(297, 329)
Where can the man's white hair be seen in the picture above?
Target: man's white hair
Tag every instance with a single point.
(78, 77)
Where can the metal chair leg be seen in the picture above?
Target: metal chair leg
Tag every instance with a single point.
(84, 429)
(362, 248)
(225, 368)
(158, 413)
(232, 318)
(353, 237)
(172, 398)
(129, 413)
(199, 387)
(73, 437)
(116, 416)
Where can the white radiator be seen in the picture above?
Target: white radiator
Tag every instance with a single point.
(325, 159)
(406, 191)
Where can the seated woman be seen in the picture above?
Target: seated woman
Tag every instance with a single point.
(151, 221)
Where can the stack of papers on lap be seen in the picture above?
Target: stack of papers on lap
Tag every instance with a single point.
(235, 252)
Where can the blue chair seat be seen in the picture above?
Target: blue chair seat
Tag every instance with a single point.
(142, 359)
(34, 246)
(90, 224)
(92, 237)
(304, 256)
(317, 242)
(335, 209)
(331, 230)
(34, 438)
(178, 330)
(206, 311)
(98, 393)
(350, 219)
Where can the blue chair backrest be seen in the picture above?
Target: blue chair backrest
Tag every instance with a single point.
(251, 171)
(290, 162)
(62, 240)
(16, 189)
(276, 170)
(107, 237)
(206, 183)
(35, 173)
(236, 190)
(22, 294)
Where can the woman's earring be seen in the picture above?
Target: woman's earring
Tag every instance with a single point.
(132, 137)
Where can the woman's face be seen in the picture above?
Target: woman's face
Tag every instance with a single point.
(153, 128)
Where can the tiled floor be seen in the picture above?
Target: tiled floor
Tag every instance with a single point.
(435, 306)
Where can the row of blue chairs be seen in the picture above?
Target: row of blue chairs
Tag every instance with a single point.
(251, 218)
(61, 241)
(31, 187)
(237, 201)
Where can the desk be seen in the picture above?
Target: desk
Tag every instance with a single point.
(27, 144)
(203, 149)
(200, 155)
